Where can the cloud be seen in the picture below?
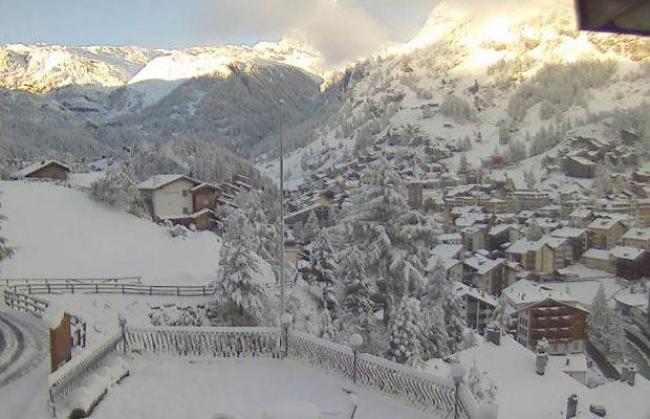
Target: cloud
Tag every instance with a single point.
(342, 30)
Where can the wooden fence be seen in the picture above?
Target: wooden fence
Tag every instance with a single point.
(420, 389)
(9, 282)
(66, 378)
(416, 387)
(206, 341)
(114, 288)
(26, 303)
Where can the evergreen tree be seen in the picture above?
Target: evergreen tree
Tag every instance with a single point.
(265, 230)
(352, 272)
(5, 250)
(311, 228)
(439, 293)
(463, 164)
(405, 333)
(500, 317)
(238, 295)
(321, 259)
(606, 328)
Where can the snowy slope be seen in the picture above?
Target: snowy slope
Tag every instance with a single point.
(502, 48)
(60, 232)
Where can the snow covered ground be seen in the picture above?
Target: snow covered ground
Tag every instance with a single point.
(242, 388)
(60, 232)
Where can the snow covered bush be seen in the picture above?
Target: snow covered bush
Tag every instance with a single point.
(177, 316)
(118, 188)
(457, 108)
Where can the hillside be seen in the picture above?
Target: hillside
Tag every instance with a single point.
(60, 232)
(472, 82)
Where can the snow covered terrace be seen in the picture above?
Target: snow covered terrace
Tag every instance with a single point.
(242, 373)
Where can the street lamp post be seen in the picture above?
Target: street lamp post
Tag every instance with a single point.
(457, 374)
(282, 306)
(286, 319)
(356, 341)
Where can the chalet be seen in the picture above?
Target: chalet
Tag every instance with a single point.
(478, 305)
(44, 169)
(169, 196)
(524, 252)
(527, 200)
(577, 238)
(579, 167)
(637, 237)
(599, 259)
(498, 236)
(205, 196)
(450, 238)
(474, 237)
(204, 219)
(605, 233)
(631, 263)
(562, 323)
(555, 253)
(542, 311)
(581, 217)
(483, 273)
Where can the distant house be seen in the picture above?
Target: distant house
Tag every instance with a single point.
(205, 196)
(44, 169)
(169, 195)
(478, 304)
(524, 252)
(474, 237)
(527, 200)
(637, 237)
(581, 217)
(605, 233)
(562, 323)
(577, 237)
(631, 263)
(580, 167)
(555, 253)
(599, 259)
(485, 274)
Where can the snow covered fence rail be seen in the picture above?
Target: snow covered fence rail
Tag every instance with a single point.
(416, 387)
(10, 282)
(206, 341)
(26, 303)
(66, 378)
(115, 288)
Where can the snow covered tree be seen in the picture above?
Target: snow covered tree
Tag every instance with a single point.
(504, 133)
(606, 329)
(463, 164)
(439, 293)
(265, 229)
(352, 271)
(529, 178)
(516, 152)
(118, 188)
(405, 333)
(310, 229)
(321, 259)
(534, 232)
(5, 250)
(239, 297)
(500, 317)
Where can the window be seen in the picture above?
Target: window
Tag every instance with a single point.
(186, 210)
(185, 192)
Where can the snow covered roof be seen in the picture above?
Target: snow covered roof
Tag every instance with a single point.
(525, 292)
(447, 251)
(603, 223)
(597, 254)
(627, 253)
(582, 160)
(34, 167)
(498, 229)
(53, 316)
(523, 246)
(481, 264)
(205, 185)
(584, 292)
(632, 300)
(461, 290)
(568, 232)
(581, 213)
(638, 234)
(450, 237)
(159, 181)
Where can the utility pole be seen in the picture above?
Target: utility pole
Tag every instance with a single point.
(282, 306)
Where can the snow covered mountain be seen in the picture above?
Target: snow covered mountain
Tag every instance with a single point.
(475, 77)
